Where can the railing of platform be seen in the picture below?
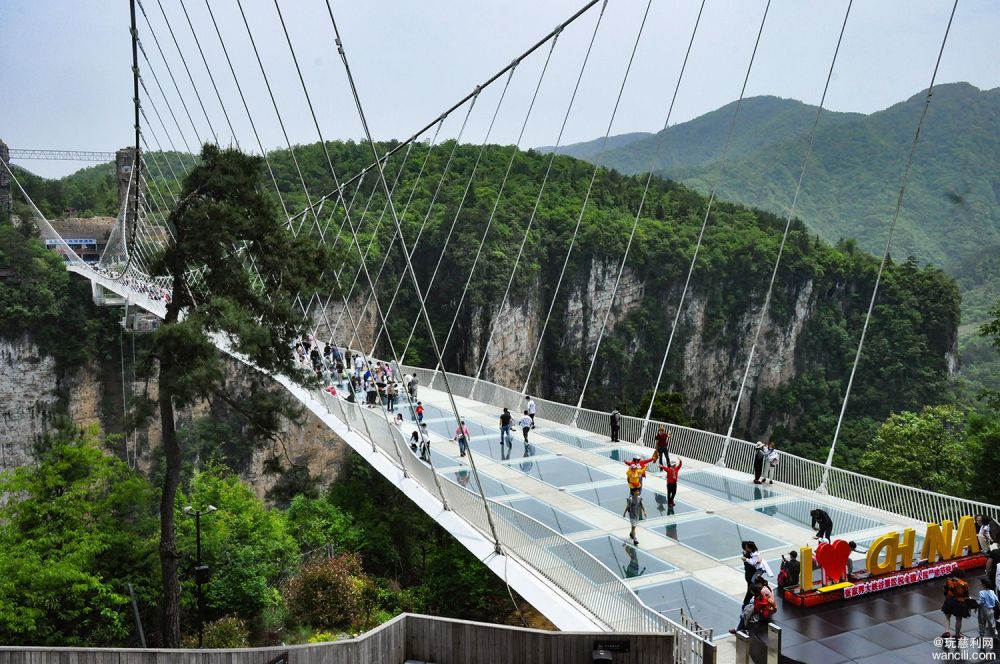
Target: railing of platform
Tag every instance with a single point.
(896, 499)
(568, 567)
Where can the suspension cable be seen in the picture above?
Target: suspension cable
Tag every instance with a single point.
(704, 223)
(180, 52)
(784, 237)
(406, 207)
(482, 86)
(412, 273)
(354, 236)
(461, 204)
(430, 209)
(163, 57)
(586, 198)
(149, 66)
(496, 202)
(211, 78)
(642, 201)
(885, 252)
(538, 199)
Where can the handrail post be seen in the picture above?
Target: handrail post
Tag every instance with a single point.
(773, 643)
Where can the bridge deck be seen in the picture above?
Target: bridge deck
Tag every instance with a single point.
(688, 555)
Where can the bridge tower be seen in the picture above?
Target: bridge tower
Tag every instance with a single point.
(6, 209)
(124, 165)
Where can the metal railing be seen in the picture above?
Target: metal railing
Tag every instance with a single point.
(890, 497)
(569, 568)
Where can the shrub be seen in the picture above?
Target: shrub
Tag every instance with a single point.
(327, 593)
(226, 632)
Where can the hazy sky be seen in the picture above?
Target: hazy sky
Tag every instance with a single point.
(66, 78)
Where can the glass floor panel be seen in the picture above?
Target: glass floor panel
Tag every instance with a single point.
(735, 491)
(555, 519)
(716, 537)
(441, 460)
(582, 442)
(624, 454)
(562, 472)
(622, 558)
(703, 603)
(612, 498)
(492, 448)
(491, 487)
(797, 512)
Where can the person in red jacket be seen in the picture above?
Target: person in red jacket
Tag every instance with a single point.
(673, 470)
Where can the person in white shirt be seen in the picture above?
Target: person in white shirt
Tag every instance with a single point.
(531, 407)
(526, 424)
(425, 443)
(770, 464)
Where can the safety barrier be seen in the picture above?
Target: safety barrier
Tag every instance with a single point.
(896, 499)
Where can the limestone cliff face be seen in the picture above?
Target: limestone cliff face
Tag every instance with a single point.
(32, 393)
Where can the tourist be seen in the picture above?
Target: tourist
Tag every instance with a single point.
(751, 559)
(956, 598)
(505, 423)
(615, 425)
(425, 443)
(531, 409)
(758, 609)
(822, 524)
(770, 464)
(987, 610)
(420, 413)
(759, 457)
(636, 471)
(635, 511)
(526, 425)
(790, 570)
(850, 562)
(462, 437)
(390, 394)
(398, 420)
(414, 440)
(359, 366)
(663, 445)
(672, 471)
(412, 386)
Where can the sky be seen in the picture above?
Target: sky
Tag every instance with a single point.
(66, 81)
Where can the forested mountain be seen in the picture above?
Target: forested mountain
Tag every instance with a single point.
(588, 149)
(952, 205)
(812, 325)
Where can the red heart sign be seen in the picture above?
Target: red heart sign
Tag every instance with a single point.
(832, 558)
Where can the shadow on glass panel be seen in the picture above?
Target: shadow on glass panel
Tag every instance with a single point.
(797, 512)
(491, 487)
(735, 491)
(703, 603)
(583, 442)
(613, 497)
(716, 537)
(624, 559)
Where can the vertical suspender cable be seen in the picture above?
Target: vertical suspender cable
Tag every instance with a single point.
(413, 275)
(822, 488)
(635, 224)
(784, 238)
(586, 198)
(538, 199)
(704, 223)
(496, 203)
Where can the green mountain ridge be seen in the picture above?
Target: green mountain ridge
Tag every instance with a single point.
(952, 206)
